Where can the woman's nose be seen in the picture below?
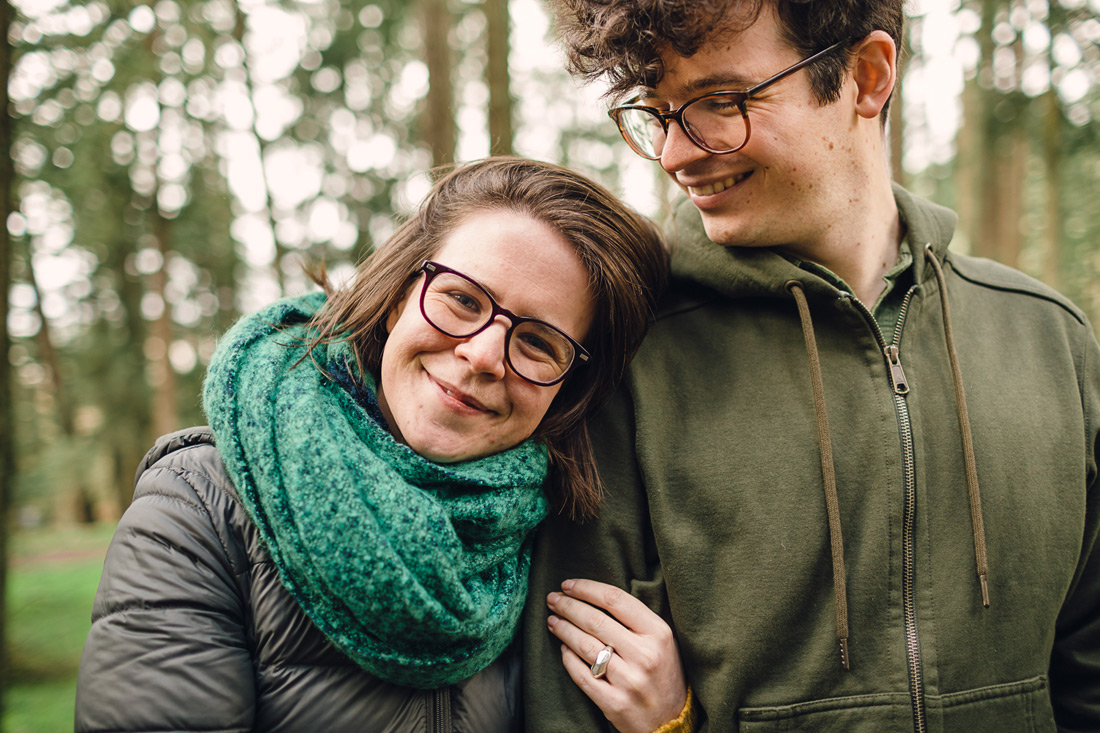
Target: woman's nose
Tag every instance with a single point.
(485, 349)
(679, 151)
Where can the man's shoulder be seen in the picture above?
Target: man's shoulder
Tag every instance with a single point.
(987, 273)
(684, 295)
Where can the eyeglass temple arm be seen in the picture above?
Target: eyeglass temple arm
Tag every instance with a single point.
(797, 67)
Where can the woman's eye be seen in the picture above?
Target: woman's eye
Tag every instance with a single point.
(534, 343)
(539, 348)
(465, 300)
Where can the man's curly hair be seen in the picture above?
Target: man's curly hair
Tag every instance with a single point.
(621, 41)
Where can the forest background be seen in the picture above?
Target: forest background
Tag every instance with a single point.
(172, 166)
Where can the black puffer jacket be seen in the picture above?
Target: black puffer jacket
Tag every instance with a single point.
(192, 629)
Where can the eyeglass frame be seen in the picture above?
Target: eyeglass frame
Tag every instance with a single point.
(431, 269)
(745, 95)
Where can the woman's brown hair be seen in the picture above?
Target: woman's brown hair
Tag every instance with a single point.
(621, 250)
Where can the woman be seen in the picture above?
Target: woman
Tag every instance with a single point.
(347, 547)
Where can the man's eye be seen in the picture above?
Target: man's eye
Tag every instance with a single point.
(658, 104)
(718, 105)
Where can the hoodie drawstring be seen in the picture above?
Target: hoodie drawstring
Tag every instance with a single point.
(828, 469)
(977, 524)
(828, 473)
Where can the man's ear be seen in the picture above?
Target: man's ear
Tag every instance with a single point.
(875, 72)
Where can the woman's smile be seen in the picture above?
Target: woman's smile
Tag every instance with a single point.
(459, 399)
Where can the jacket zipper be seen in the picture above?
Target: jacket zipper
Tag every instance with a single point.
(900, 386)
(439, 711)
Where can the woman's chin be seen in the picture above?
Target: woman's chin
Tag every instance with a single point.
(454, 448)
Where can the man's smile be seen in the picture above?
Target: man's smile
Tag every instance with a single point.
(710, 189)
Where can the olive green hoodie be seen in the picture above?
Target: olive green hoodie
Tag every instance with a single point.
(717, 463)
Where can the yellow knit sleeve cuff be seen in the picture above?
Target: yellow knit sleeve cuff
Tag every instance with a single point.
(683, 724)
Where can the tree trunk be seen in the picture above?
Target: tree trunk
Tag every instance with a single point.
(988, 196)
(966, 163)
(438, 120)
(1052, 162)
(983, 242)
(1012, 181)
(81, 502)
(165, 414)
(131, 435)
(125, 456)
(896, 118)
(64, 407)
(1051, 147)
(496, 72)
(261, 144)
(7, 434)
(1011, 167)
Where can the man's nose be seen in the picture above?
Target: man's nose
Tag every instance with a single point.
(679, 151)
(485, 350)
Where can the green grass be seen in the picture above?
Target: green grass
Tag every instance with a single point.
(46, 707)
(26, 544)
(51, 584)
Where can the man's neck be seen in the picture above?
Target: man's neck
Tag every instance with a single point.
(863, 251)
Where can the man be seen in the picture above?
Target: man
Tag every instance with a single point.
(855, 470)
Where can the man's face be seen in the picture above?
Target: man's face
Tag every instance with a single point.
(795, 176)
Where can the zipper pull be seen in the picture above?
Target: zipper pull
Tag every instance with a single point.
(897, 374)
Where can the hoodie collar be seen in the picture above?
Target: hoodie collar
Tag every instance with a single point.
(927, 223)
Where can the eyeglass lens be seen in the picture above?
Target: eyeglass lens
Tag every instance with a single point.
(460, 307)
(715, 122)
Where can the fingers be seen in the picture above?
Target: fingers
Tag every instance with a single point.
(580, 671)
(581, 622)
(632, 702)
(644, 685)
(582, 644)
(585, 628)
(631, 612)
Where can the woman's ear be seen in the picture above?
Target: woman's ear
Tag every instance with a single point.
(875, 73)
(411, 288)
(395, 312)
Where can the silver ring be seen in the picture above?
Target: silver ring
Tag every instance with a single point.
(599, 667)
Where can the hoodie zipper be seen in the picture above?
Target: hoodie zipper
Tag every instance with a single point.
(900, 386)
(439, 710)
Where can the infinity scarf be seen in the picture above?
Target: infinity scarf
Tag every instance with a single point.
(415, 570)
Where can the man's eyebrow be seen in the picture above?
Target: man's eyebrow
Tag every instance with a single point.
(716, 83)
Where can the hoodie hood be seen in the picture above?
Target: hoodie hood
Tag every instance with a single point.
(759, 271)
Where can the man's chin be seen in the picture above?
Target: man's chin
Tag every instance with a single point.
(724, 233)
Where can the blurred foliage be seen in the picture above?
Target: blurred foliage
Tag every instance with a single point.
(177, 162)
(1023, 166)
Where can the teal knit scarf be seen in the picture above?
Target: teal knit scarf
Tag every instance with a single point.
(415, 570)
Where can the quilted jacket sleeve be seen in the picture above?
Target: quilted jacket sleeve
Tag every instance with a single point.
(169, 648)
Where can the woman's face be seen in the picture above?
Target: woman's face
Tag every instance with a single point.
(453, 399)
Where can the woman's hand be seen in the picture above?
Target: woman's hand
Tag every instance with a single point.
(643, 687)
